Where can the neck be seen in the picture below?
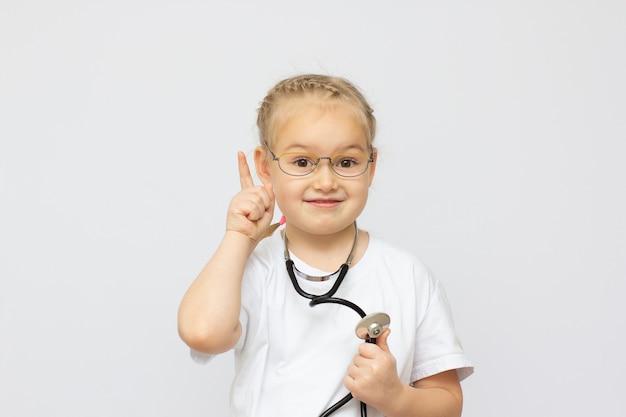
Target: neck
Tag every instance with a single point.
(325, 252)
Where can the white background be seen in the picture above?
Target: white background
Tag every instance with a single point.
(502, 135)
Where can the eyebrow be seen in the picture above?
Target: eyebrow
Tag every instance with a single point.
(297, 147)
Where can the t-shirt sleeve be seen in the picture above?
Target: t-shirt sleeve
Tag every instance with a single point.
(438, 348)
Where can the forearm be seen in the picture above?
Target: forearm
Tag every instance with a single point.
(208, 317)
(428, 398)
(430, 402)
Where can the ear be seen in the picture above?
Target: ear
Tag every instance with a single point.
(261, 163)
(373, 166)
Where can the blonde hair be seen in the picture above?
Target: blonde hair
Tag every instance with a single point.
(323, 87)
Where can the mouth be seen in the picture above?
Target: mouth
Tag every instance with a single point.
(323, 203)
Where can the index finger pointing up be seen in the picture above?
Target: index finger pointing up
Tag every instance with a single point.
(245, 179)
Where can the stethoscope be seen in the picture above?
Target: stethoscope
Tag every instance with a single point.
(368, 328)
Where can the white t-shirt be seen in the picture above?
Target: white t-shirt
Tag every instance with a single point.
(291, 358)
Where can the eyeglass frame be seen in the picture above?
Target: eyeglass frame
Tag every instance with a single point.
(317, 162)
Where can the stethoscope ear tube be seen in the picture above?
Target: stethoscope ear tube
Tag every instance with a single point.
(290, 270)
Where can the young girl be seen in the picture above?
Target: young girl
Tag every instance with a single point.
(275, 300)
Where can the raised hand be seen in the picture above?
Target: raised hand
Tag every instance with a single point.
(251, 209)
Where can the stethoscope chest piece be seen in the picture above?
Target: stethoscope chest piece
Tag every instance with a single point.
(372, 325)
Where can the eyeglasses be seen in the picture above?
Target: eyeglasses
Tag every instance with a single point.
(299, 164)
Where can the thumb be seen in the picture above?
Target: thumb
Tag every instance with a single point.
(270, 190)
(381, 341)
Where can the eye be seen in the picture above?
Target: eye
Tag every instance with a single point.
(303, 162)
(347, 162)
(300, 161)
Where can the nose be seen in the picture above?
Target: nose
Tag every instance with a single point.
(325, 177)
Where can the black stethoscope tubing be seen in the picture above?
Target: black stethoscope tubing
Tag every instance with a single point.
(328, 298)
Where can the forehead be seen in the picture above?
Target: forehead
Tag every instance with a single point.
(309, 113)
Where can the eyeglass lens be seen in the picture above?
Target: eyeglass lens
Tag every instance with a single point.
(345, 165)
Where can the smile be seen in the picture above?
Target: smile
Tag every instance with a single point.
(324, 203)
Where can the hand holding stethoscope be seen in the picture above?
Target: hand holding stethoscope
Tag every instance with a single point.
(373, 377)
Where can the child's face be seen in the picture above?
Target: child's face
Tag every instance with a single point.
(321, 202)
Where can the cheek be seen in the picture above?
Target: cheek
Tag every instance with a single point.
(284, 191)
(361, 188)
